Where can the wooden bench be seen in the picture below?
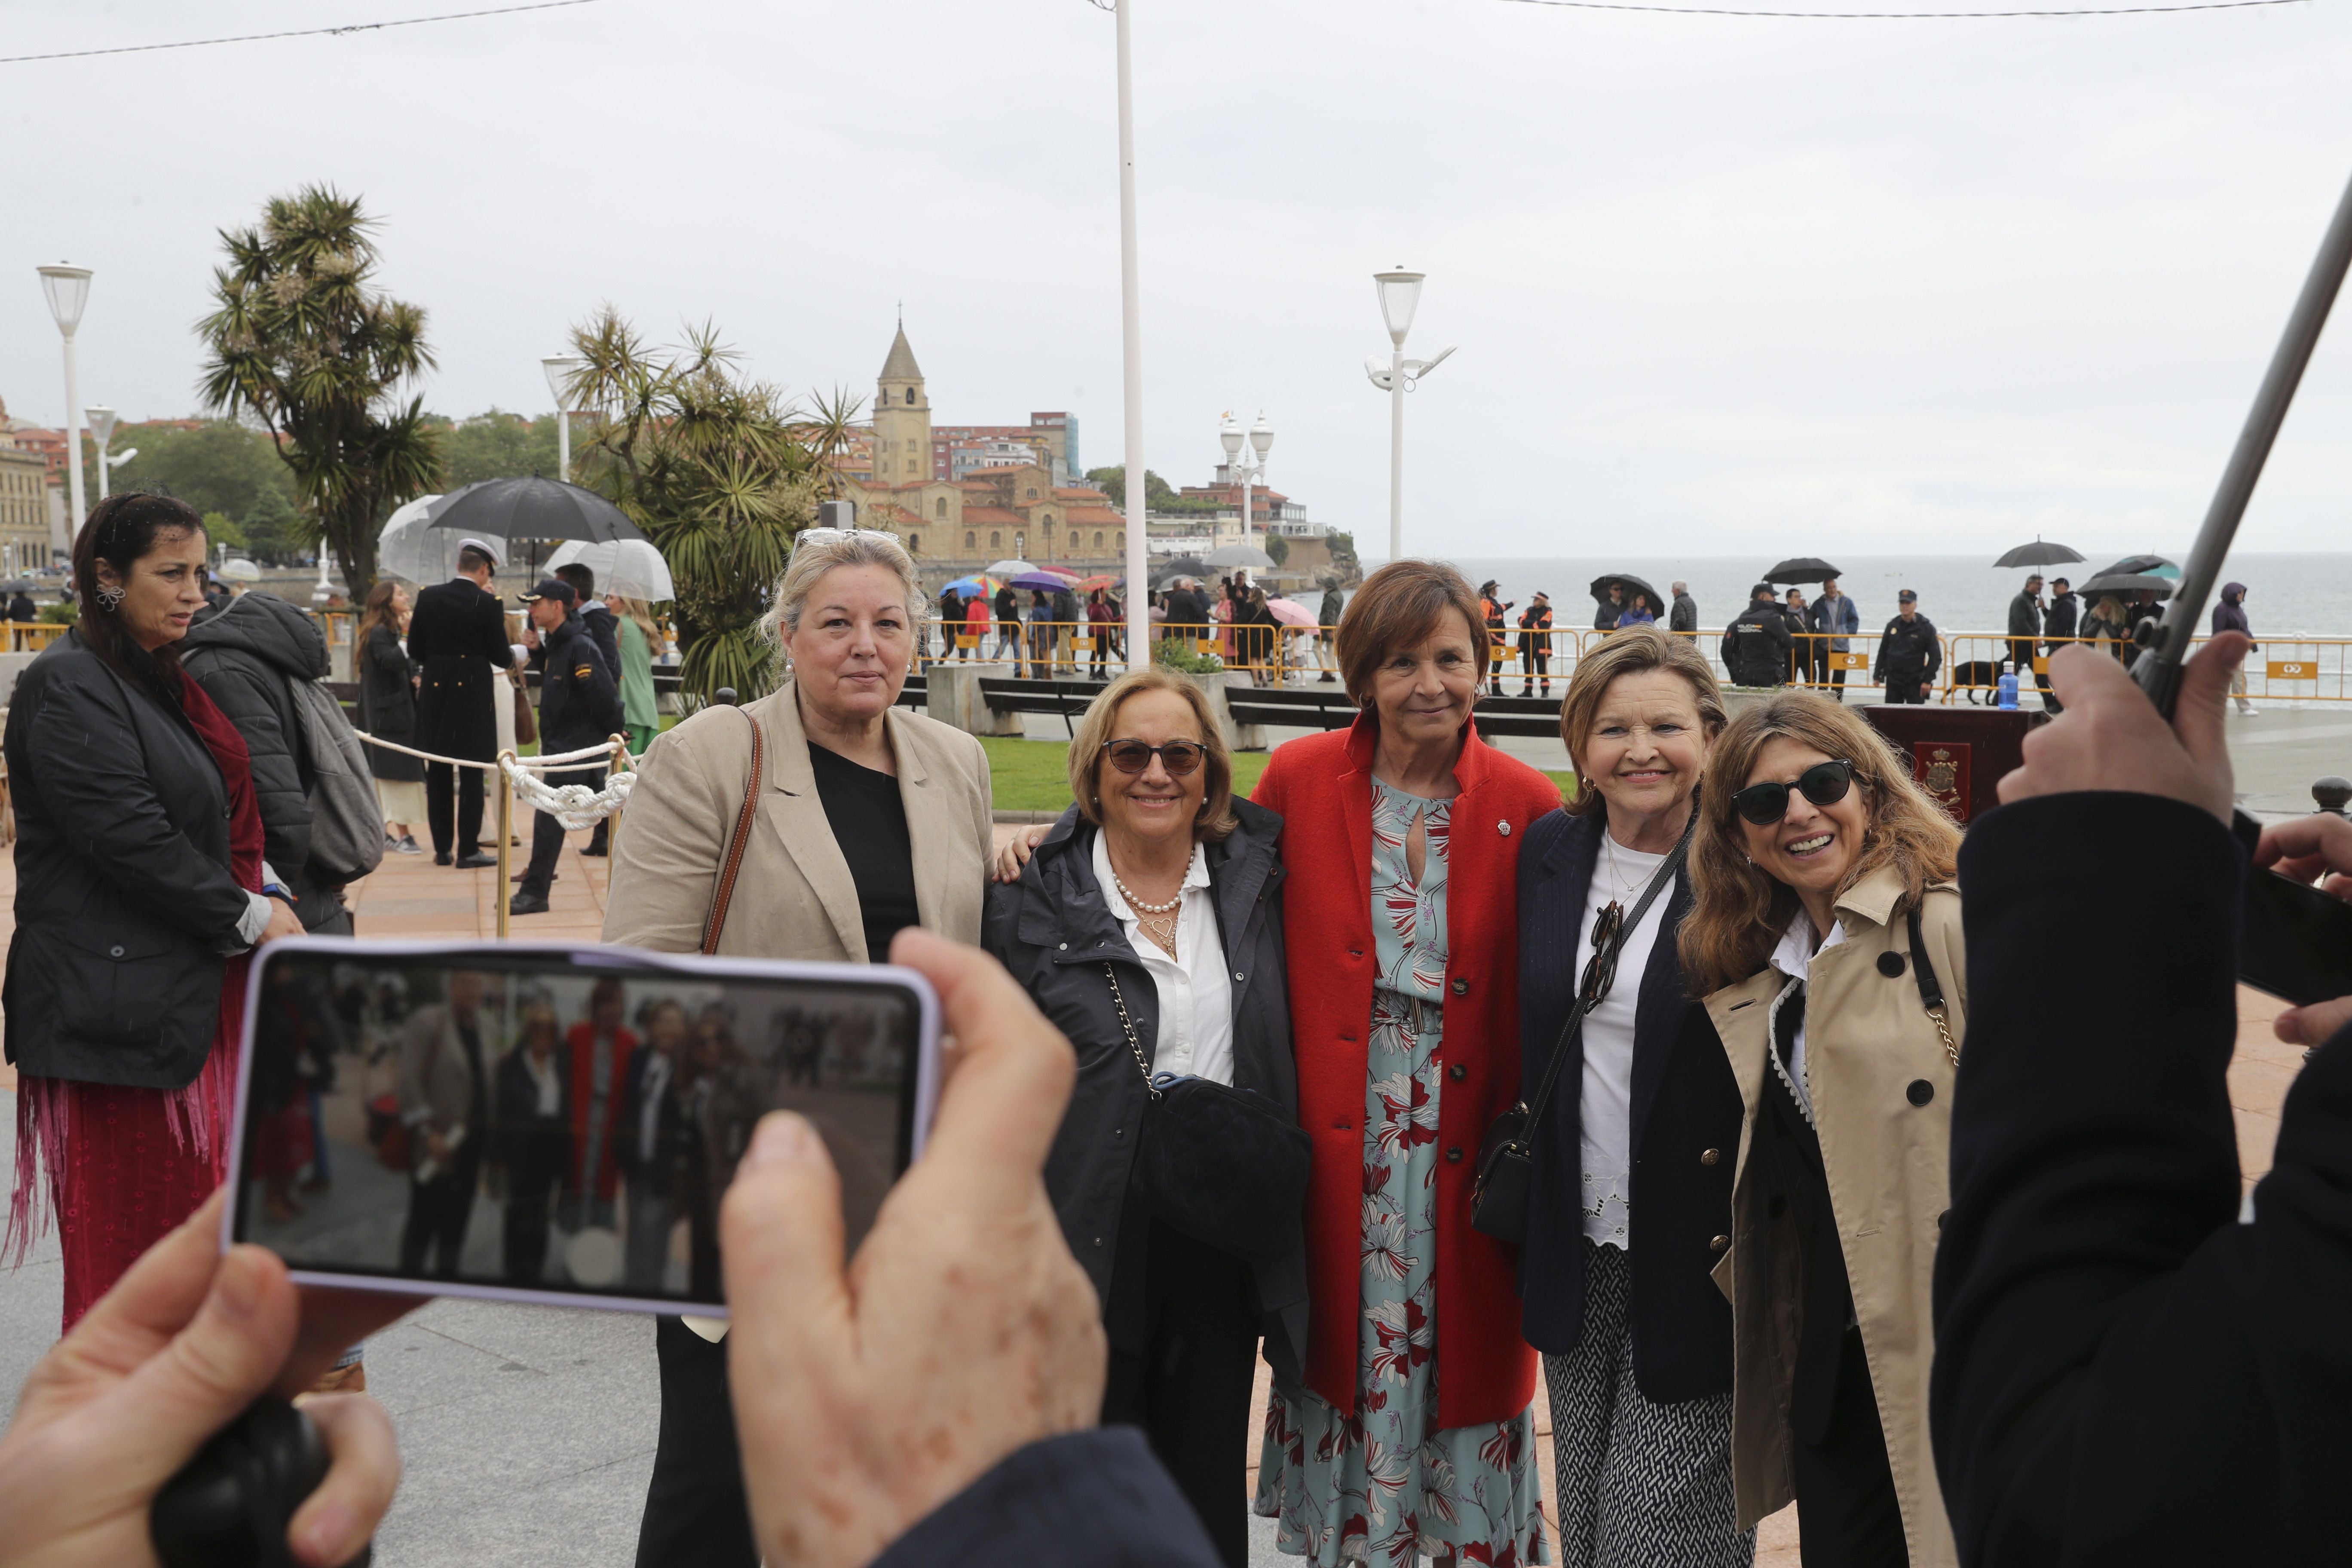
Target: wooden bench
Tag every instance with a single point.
(1321, 707)
(1069, 698)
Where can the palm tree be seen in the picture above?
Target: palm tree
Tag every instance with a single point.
(302, 343)
(718, 470)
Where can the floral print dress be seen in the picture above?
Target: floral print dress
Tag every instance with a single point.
(1387, 1484)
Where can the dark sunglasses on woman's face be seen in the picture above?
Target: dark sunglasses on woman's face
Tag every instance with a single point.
(1824, 784)
(1179, 757)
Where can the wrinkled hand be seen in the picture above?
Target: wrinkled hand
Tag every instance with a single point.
(962, 1331)
(1015, 852)
(2311, 849)
(2111, 737)
(175, 1352)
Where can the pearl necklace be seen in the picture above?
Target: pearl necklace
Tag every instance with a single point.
(1160, 929)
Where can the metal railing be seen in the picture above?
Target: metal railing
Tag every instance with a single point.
(2301, 669)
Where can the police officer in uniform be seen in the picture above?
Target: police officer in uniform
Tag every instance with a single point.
(457, 636)
(1756, 646)
(1908, 654)
(579, 706)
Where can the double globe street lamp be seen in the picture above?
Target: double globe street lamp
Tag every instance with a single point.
(1261, 440)
(563, 371)
(1400, 293)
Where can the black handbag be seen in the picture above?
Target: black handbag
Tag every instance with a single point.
(1507, 1156)
(1219, 1162)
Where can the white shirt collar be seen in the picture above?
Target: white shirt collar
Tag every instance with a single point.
(1794, 957)
(1196, 875)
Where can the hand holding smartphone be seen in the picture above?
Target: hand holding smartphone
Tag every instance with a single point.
(555, 1124)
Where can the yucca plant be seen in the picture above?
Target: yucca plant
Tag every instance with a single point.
(303, 344)
(718, 472)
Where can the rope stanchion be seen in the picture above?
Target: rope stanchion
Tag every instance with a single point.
(620, 765)
(506, 845)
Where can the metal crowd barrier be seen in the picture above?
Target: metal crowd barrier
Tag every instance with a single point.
(1539, 664)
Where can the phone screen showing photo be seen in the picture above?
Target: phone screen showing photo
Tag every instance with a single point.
(519, 1119)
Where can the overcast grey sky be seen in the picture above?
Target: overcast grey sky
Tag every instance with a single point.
(1720, 285)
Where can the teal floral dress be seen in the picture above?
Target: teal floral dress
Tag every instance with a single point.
(1388, 1484)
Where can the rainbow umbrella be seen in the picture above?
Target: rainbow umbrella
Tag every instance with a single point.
(980, 585)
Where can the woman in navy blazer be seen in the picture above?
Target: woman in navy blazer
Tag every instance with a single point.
(1631, 1204)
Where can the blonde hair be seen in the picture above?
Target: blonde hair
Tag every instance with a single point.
(1635, 651)
(816, 551)
(1739, 910)
(642, 613)
(1216, 820)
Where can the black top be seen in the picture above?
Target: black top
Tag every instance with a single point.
(869, 822)
(457, 636)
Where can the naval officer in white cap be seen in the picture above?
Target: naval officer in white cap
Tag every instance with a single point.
(457, 636)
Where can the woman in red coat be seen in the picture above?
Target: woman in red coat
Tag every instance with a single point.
(1412, 1431)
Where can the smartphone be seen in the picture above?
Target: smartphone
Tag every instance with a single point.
(551, 1123)
(2296, 941)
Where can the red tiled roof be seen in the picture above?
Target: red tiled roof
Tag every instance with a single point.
(1081, 493)
(1094, 514)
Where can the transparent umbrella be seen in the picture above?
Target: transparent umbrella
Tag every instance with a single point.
(412, 549)
(632, 568)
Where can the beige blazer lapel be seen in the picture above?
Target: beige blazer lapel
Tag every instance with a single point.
(932, 831)
(797, 816)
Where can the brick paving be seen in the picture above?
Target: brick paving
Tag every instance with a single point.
(527, 1432)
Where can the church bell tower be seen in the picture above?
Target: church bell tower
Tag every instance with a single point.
(902, 418)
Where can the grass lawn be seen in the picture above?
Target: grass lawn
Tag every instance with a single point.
(1034, 775)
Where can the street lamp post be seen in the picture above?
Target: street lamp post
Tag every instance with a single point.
(1400, 293)
(562, 369)
(1261, 440)
(1130, 310)
(68, 290)
(101, 419)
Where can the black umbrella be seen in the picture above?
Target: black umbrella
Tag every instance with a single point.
(2127, 583)
(1632, 585)
(1187, 566)
(532, 507)
(2148, 565)
(1802, 569)
(2038, 553)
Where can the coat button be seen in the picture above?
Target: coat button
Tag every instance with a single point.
(1942, 1217)
(1239, 976)
(1063, 946)
(1711, 1157)
(1462, 988)
(1457, 1072)
(1920, 1092)
(114, 953)
(1718, 1244)
(1099, 1241)
(1503, 828)
(1890, 965)
(1454, 1156)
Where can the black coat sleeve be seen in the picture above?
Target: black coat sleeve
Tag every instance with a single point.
(253, 696)
(94, 781)
(2124, 1373)
(1086, 1500)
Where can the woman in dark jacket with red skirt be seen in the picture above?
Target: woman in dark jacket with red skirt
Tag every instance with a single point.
(1413, 1432)
(140, 889)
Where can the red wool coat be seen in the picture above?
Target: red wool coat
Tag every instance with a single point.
(1322, 785)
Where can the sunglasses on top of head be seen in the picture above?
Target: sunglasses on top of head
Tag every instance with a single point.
(1179, 757)
(1824, 784)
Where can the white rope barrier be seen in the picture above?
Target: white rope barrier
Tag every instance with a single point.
(576, 805)
(560, 760)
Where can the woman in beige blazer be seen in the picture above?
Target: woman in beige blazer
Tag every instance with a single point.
(1822, 878)
(869, 818)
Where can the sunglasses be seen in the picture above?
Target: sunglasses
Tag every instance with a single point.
(1179, 757)
(1824, 784)
(1600, 969)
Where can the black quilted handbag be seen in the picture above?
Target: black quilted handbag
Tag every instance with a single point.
(1219, 1162)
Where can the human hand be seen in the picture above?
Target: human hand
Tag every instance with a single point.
(436, 1146)
(2313, 850)
(962, 1331)
(283, 921)
(175, 1352)
(1015, 852)
(2112, 737)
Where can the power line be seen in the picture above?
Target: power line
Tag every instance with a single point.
(1903, 16)
(297, 33)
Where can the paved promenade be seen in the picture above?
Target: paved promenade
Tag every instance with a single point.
(528, 1433)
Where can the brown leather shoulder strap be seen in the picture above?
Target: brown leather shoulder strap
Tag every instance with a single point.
(736, 842)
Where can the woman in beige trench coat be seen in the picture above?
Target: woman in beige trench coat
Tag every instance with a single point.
(1822, 875)
(868, 818)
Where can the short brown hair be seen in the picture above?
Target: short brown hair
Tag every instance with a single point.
(1632, 651)
(1739, 910)
(1400, 605)
(1093, 732)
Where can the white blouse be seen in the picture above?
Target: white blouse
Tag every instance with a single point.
(1606, 1105)
(1196, 994)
